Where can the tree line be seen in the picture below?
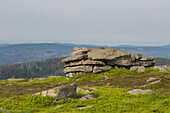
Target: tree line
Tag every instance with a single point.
(49, 67)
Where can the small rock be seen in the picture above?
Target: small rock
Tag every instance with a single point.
(151, 79)
(54, 76)
(155, 82)
(138, 68)
(58, 106)
(30, 89)
(140, 91)
(42, 78)
(88, 96)
(82, 90)
(78, 79)
(3, 109)
(108, 83)
(93, 89)
(106, 77)
(84, 107)
(152, 83)
(31, 80)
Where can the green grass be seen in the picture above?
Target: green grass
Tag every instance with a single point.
(113, 97)
(110, 99)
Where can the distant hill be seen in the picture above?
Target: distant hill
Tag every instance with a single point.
(45, 68)
(20, 53)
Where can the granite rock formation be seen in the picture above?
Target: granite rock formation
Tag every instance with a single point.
(92, 60)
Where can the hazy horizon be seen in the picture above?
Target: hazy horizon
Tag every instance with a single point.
(97, 22)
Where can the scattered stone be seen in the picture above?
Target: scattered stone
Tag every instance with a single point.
(106, 77)
(42, 78)
(3, 82)
(108, 83)
(88, 96)
(155, 82)
(151, 79)
(58, 106)
(93, 89)
(82, 90)
(30, 89)
(140, 91)
(54, 76)
(84, 107)
(138, 68)
(14, 79)
(31, 80)
(78, 79)
(3, 109)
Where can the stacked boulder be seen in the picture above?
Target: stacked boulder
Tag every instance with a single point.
(92, 60)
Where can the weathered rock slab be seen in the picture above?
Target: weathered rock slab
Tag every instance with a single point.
(140, 91)
(85, 69)
(98, 69)
(107, 54)
(86, 62)
(75, 58)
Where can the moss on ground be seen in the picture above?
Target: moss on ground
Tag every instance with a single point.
(113, 97)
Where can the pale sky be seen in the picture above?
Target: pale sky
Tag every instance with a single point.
(99, 22)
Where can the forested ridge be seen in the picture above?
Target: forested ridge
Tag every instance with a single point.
(49, 67)
(45, 68)
(162, 61)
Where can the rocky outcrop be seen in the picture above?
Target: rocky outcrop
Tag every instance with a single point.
(61, 92)
(92, 60)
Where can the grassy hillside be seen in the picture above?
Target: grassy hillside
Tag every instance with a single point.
(112, 94)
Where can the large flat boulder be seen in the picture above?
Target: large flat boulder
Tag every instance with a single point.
(86, 69)
(106, 54)
(86, 62)
(75, 58)
(140, 91)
